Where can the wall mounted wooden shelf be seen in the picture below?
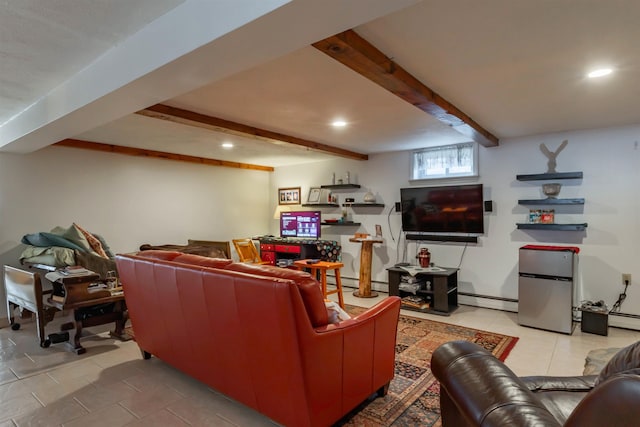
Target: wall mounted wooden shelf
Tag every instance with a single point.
(341, 186)
(549, 176)
(551, 201)
(556, 227)
(321, 205)
(344, 223)
(364, 205)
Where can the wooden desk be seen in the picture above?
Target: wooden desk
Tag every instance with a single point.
(364, 287)
(72, 293)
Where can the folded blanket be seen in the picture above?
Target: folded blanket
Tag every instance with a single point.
(53, 255)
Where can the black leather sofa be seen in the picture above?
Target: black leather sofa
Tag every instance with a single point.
(476, 389)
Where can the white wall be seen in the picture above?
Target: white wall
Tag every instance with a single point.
(128, 200)
(610, 161)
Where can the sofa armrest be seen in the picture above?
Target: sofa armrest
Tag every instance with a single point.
(476, 389)
(346, 362)
(386, 304)
(613, 402)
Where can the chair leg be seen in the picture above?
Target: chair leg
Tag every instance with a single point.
(323, 280)
(339, 287)
(11, 307)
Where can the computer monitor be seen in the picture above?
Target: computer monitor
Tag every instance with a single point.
(301, 224)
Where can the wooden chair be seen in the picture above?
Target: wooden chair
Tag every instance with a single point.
(247, 251)
(322, 267)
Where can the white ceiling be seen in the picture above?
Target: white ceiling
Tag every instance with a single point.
(516, 67)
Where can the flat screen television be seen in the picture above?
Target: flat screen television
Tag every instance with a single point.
(443, 209)
(302, 225)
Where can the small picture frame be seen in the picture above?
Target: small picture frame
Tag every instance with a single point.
(314, 195)
(289, 196)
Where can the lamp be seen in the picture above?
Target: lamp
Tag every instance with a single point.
(280, 209)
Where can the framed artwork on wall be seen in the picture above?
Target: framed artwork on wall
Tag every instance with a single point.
(314, 195)
(289, 196)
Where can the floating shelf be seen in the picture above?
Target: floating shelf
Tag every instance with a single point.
(340, 186)
(559, 227)
(551, 202)
(364, 205)
(550, 176)
(350, 223)
(321, 205)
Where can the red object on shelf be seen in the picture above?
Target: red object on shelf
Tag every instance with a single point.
(573, 249)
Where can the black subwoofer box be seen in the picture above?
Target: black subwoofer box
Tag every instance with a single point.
(595, 322)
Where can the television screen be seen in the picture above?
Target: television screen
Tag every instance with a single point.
(443, 209)
(303, 224)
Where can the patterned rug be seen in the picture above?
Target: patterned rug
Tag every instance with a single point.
(414, 393)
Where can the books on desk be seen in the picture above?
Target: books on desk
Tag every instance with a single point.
(72, 274)
(75, 270)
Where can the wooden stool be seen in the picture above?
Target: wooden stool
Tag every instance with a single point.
(323, 266)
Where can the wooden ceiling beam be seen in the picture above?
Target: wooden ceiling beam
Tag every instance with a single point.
(191, 118)
(141, 152)
(364, 58)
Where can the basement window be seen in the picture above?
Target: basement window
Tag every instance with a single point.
(446, 161)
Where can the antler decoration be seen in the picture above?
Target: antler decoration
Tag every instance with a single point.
(551, 155)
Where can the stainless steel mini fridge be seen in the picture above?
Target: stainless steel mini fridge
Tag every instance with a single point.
(545, 288)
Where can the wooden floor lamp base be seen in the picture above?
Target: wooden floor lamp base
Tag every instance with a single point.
(372, 294)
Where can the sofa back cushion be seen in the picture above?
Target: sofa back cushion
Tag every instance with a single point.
(626, 360)
(159, 254)
(202, 260)
(309, 288)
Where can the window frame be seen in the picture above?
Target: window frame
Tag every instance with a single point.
(472, 174)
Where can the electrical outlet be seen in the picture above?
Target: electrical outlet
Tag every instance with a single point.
(626, 278)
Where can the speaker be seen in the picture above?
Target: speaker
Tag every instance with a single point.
(488, 205)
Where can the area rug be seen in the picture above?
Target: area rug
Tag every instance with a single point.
(414, 393)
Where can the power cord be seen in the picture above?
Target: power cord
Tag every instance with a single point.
(462, 255)
(621, 297)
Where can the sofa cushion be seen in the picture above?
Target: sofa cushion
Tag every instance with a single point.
(159, 254)
(626, 360)
(202, 260)
(309, 288)
(597, 359)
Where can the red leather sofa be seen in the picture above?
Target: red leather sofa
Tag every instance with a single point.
(258, 334)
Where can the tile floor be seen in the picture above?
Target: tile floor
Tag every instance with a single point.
(111, 385)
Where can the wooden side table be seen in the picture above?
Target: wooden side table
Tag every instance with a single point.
(364, 287)
(72, 293)
(322, 267)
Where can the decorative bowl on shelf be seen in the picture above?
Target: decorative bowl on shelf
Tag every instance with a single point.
(551, 190)
(369, 197)
(331, 220)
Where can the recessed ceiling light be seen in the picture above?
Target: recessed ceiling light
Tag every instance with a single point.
(600, 72)
(227, 145)
(338, 123)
